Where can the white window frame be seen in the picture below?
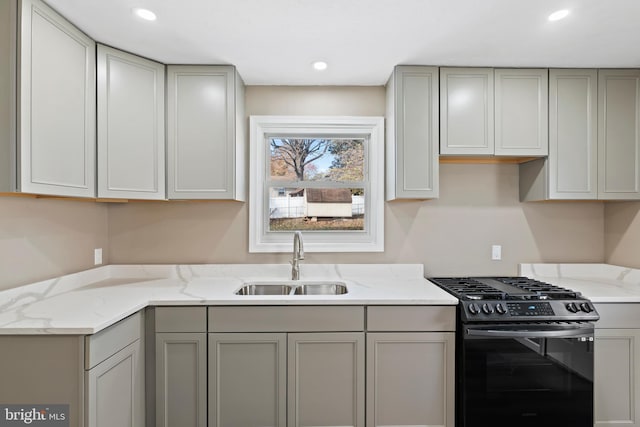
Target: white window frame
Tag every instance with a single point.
(370, 128)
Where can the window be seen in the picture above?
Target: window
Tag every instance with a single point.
(320, 175)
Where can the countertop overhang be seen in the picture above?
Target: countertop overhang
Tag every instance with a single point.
(89, 301)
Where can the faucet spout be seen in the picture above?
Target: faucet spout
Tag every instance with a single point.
(298, 255)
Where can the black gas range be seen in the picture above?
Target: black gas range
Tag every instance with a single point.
(524, 350)
(516, 299)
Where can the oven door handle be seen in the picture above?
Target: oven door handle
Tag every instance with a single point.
(531, 333)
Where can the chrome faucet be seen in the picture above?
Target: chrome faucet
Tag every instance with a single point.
(298, 254)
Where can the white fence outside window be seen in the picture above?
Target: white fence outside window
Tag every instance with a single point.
(293, 207)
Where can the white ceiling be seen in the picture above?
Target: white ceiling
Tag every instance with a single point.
(274, 42)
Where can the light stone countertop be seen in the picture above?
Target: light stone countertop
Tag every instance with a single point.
(601, 283)
(89, 301)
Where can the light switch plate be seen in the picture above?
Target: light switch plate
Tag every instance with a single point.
(97, 256)
(496, 252)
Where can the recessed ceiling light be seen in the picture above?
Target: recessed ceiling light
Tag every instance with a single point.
(145, 14)
(320, 65)
(558, 15)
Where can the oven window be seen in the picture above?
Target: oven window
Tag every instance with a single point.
(528, 382)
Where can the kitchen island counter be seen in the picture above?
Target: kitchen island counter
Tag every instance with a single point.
(89, 301)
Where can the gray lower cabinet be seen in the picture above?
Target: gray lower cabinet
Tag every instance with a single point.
(617, 377)
(180, 335)
(326, 379)
(617, 367)
(255, 377)
(410, 379)
(115, 390)
(412, 129)
(181, 379)
(247, 379)
(115, 375)
(100, 376)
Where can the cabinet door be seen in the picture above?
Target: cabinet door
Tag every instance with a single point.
(573, 148)
(412, 133)
(130, 126)
(466, 111)
(115, 390)
(204, 150)
(410, 379)
(57, 105)
(181, 380)
(521, 118)
(617, 377)
(619, 134)
(247, 380)
(326, 379)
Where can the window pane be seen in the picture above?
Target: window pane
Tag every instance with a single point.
(295, 159)
(316, 209)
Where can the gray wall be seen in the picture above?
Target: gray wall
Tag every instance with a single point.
(43, 238)
(622, 233)
(452, 235)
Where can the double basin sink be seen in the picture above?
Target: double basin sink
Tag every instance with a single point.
(293, 288)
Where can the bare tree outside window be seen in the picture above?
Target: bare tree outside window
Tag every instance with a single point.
(296, 205)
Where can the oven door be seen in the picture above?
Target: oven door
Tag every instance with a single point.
(526, 375)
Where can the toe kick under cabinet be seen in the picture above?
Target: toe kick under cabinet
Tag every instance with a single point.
(295, 366)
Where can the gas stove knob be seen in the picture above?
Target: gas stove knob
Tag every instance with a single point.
(500, 309)
(586, 307)
(487, 308)
(473, 308)
(572, 307)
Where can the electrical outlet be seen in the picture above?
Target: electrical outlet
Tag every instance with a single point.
(496, 252)
(97, 256)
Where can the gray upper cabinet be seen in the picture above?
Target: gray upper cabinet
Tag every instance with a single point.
(521, 105)
(466, 111)
(594, 138)
(8, 21)
(131, 147)
(619, 134)
(56, 131)
(205, 133)
(412, 133)
(571, 170)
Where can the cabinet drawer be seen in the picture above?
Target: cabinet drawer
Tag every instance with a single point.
(181, 319)
(411, 318)
(286, 319)
(618, 316)
(100, 346)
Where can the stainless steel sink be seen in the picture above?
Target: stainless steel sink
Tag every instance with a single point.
(293, 288)
(264, 289)
(321, 289)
